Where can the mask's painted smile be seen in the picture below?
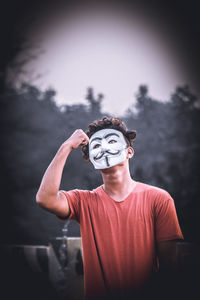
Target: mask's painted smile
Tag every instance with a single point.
(107, 148)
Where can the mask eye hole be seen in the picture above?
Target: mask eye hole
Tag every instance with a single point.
(112, 142)
(96, 146)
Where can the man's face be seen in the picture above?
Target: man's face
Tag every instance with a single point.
(107, 148)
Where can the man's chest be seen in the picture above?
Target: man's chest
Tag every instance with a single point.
(110, 215)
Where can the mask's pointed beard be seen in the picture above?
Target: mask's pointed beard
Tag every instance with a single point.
(107, 162)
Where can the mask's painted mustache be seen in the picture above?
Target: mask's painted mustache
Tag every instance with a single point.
(99, 156)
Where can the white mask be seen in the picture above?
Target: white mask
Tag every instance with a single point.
(107, 148)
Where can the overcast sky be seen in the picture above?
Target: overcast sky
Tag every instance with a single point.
(111, 50)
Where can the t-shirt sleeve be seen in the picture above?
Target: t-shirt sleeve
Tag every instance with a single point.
(73, 198)
(167, 225)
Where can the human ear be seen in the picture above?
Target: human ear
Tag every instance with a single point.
(130, 152)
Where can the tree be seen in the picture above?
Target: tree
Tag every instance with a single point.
(94, 104)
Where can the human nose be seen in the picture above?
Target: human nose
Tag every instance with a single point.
(104, 145)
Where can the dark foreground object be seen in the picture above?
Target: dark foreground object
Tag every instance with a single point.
(55, 272)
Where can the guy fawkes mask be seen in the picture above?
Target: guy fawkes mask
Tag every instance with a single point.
(107, 148)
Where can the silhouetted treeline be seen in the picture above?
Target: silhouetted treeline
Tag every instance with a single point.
(33, 127)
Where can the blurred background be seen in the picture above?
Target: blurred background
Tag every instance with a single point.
(64, 64)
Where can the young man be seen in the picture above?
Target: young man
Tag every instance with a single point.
(124, 224)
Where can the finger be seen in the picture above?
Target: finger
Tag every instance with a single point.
(86, 139)
(84, 142)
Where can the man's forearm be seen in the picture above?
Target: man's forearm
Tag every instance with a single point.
(52, 178)
(48, 196)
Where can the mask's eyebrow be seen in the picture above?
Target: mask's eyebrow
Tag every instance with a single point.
(94, 139)
(110, 134)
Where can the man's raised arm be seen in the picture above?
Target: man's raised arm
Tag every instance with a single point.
(48, 195)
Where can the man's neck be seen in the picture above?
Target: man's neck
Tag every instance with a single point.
(117, 182)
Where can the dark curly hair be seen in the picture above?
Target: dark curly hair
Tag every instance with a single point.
(113, 123)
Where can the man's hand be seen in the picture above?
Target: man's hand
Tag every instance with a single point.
(78, 138)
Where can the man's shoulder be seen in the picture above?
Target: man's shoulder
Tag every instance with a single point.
(85, 192)
(153, 191)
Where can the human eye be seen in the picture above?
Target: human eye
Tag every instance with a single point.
(112, 141)
(96, 146)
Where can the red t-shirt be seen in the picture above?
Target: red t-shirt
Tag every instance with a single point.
(118, 238)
